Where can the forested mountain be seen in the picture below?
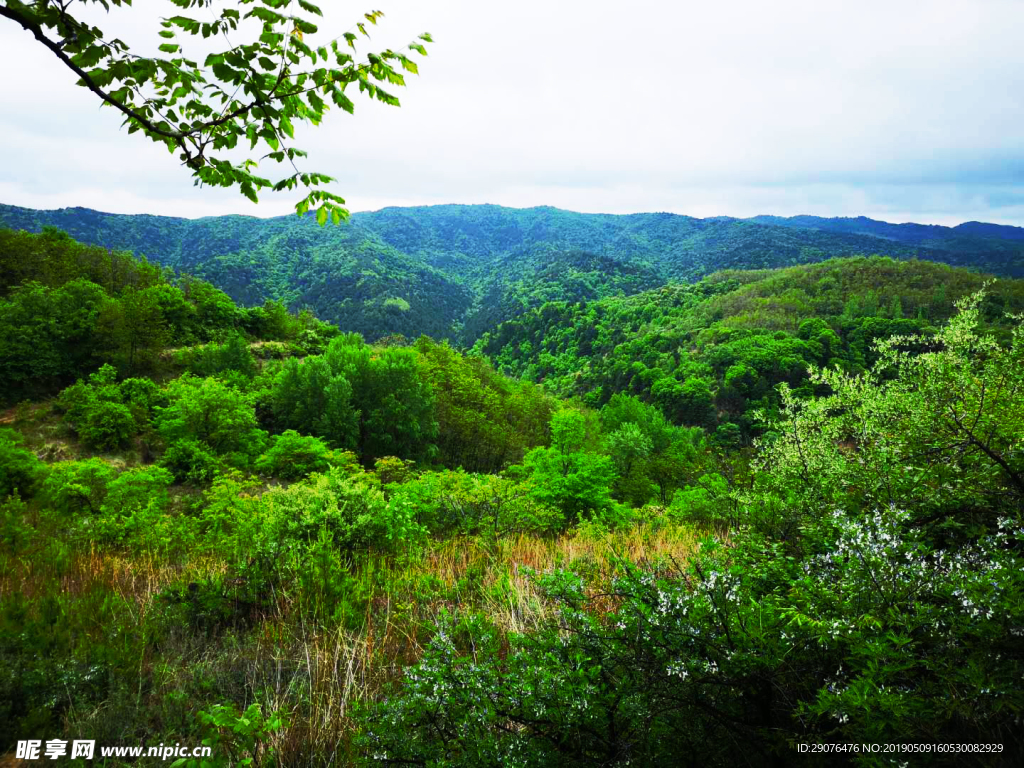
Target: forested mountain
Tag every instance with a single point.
(455, 271)
(345, 274)
(972, 237)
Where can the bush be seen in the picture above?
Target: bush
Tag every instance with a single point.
(135, 488)
(20, 469)
(733, 660)
(190, 461)
(107, 426)
(106, 416)
(708, 501)
(210, 412)
(353, 512)
(15, 532)
(77, 486)
(141, 396)
(458, 502)
(327, 590)
(214, 359)
(292, 456)
(237, 738)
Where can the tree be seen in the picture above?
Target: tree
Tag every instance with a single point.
(250, 92)
(568, 477)
(307, 396)
(936, 432)
(136, 327)
(292, 456)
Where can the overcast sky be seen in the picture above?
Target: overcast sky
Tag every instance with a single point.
(900, 110)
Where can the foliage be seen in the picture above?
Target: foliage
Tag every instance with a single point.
(460, 503)
(292, 456)
(309, 397)
(859, 497)
(21, 470)
(202, 111)
(213, 414)
(190, 461)
(213, 359)
(933, 429)
(568, 477)
(236, 738)
(354, 513)
(459, 272)
(73, 487)
(133, 505)
(376, 401)
(66, 308)
(485, 421)
(717, 351)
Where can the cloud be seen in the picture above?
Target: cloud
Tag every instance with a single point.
(892, 109)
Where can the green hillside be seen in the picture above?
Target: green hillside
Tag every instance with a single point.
(713, 353)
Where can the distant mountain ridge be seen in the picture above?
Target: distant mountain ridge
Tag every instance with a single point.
(456, 271)
(927, 235)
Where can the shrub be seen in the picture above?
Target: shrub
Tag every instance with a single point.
(707, 501)
(732, 660)
(237, 738)
(77, 486)
(214, 359)
(141, 396)
(213, 413)
(106, 416)
(292, 456)
(15, 532)
(107, 425)
(135, 488)
(458, 502)
(354, 513)
(20, 469)
(190, 461)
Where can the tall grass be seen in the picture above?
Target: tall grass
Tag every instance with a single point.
(304, 656)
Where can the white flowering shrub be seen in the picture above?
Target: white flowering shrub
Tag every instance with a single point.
(873, 594)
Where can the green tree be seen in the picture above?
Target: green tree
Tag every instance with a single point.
(566, 476)
(309, 397)
(396, 404)
(135, 326)
(935, 432)
(77, 486)
(292, 456)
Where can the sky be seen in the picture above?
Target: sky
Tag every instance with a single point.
(903, 110)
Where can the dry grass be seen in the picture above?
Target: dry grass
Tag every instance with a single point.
(315, 672)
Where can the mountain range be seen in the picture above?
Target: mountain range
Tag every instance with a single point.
(457, 271)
